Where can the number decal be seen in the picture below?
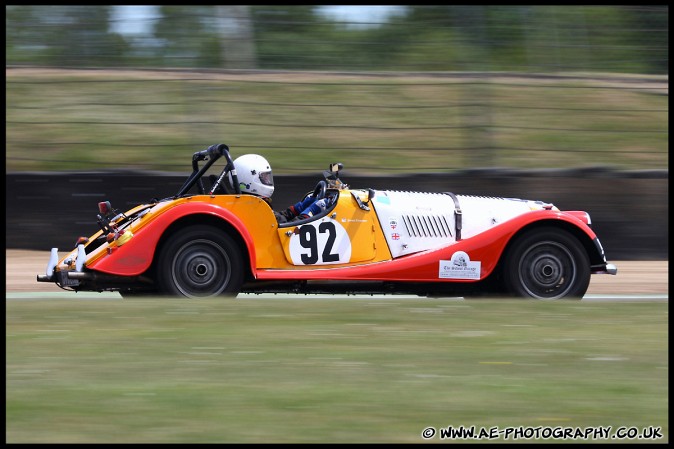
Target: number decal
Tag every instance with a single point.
(320, 243)
(329, 227)
(308, 241)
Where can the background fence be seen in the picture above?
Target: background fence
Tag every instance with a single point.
(375, 123)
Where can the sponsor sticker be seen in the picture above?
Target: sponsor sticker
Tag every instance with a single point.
(459, 267)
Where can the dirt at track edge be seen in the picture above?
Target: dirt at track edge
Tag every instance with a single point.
(634, 277)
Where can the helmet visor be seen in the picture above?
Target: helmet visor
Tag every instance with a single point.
(266, 178)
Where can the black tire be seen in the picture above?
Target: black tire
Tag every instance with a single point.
(200, 261)
(547, 263)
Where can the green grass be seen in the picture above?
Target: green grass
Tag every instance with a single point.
(86, 120)
(327, 370)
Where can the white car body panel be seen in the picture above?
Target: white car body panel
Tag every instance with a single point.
(417, 221)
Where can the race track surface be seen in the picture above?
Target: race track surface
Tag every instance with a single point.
(633, 278)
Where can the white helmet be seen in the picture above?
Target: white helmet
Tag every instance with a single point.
(254, 174)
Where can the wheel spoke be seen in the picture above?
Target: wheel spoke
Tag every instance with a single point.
(200, 268)
(547, 270)
(547, 263)
(200, 261)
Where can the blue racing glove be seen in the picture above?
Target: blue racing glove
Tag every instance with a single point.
(316, 208)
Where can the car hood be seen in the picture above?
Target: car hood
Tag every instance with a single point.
(417, 221)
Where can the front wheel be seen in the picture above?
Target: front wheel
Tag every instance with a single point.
(547, 263)
(200, 261)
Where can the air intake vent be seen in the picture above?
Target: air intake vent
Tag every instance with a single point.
(427, 226)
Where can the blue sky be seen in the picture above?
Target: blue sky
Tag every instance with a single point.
(360, 13)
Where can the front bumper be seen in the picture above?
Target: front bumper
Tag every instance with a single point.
(61, 277)
(70, 274)
(607, 268)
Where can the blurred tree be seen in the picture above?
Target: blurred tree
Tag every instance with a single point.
(21, 34)
(188, 37)
(236, 29)
(526, 38)
(649, 27)
(71, 36)
(291, 37)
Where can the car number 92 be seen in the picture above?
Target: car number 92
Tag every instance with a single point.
(323, 242)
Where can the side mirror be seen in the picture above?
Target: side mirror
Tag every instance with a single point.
(335, 168)
(332, 176)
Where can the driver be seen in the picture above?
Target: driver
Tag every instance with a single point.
(255, 177)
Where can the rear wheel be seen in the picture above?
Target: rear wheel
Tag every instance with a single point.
(200, 261)
(547, 263)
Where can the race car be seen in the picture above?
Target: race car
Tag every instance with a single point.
(211, 239)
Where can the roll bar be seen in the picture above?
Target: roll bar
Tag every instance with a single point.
(210, 155)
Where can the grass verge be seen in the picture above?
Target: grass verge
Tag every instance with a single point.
(327, 370)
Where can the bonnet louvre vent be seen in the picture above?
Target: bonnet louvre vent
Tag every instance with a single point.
(427, 226)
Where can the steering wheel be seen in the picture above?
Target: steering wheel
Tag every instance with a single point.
(319, 190)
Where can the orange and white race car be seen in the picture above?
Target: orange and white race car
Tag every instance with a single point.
(217, 241)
